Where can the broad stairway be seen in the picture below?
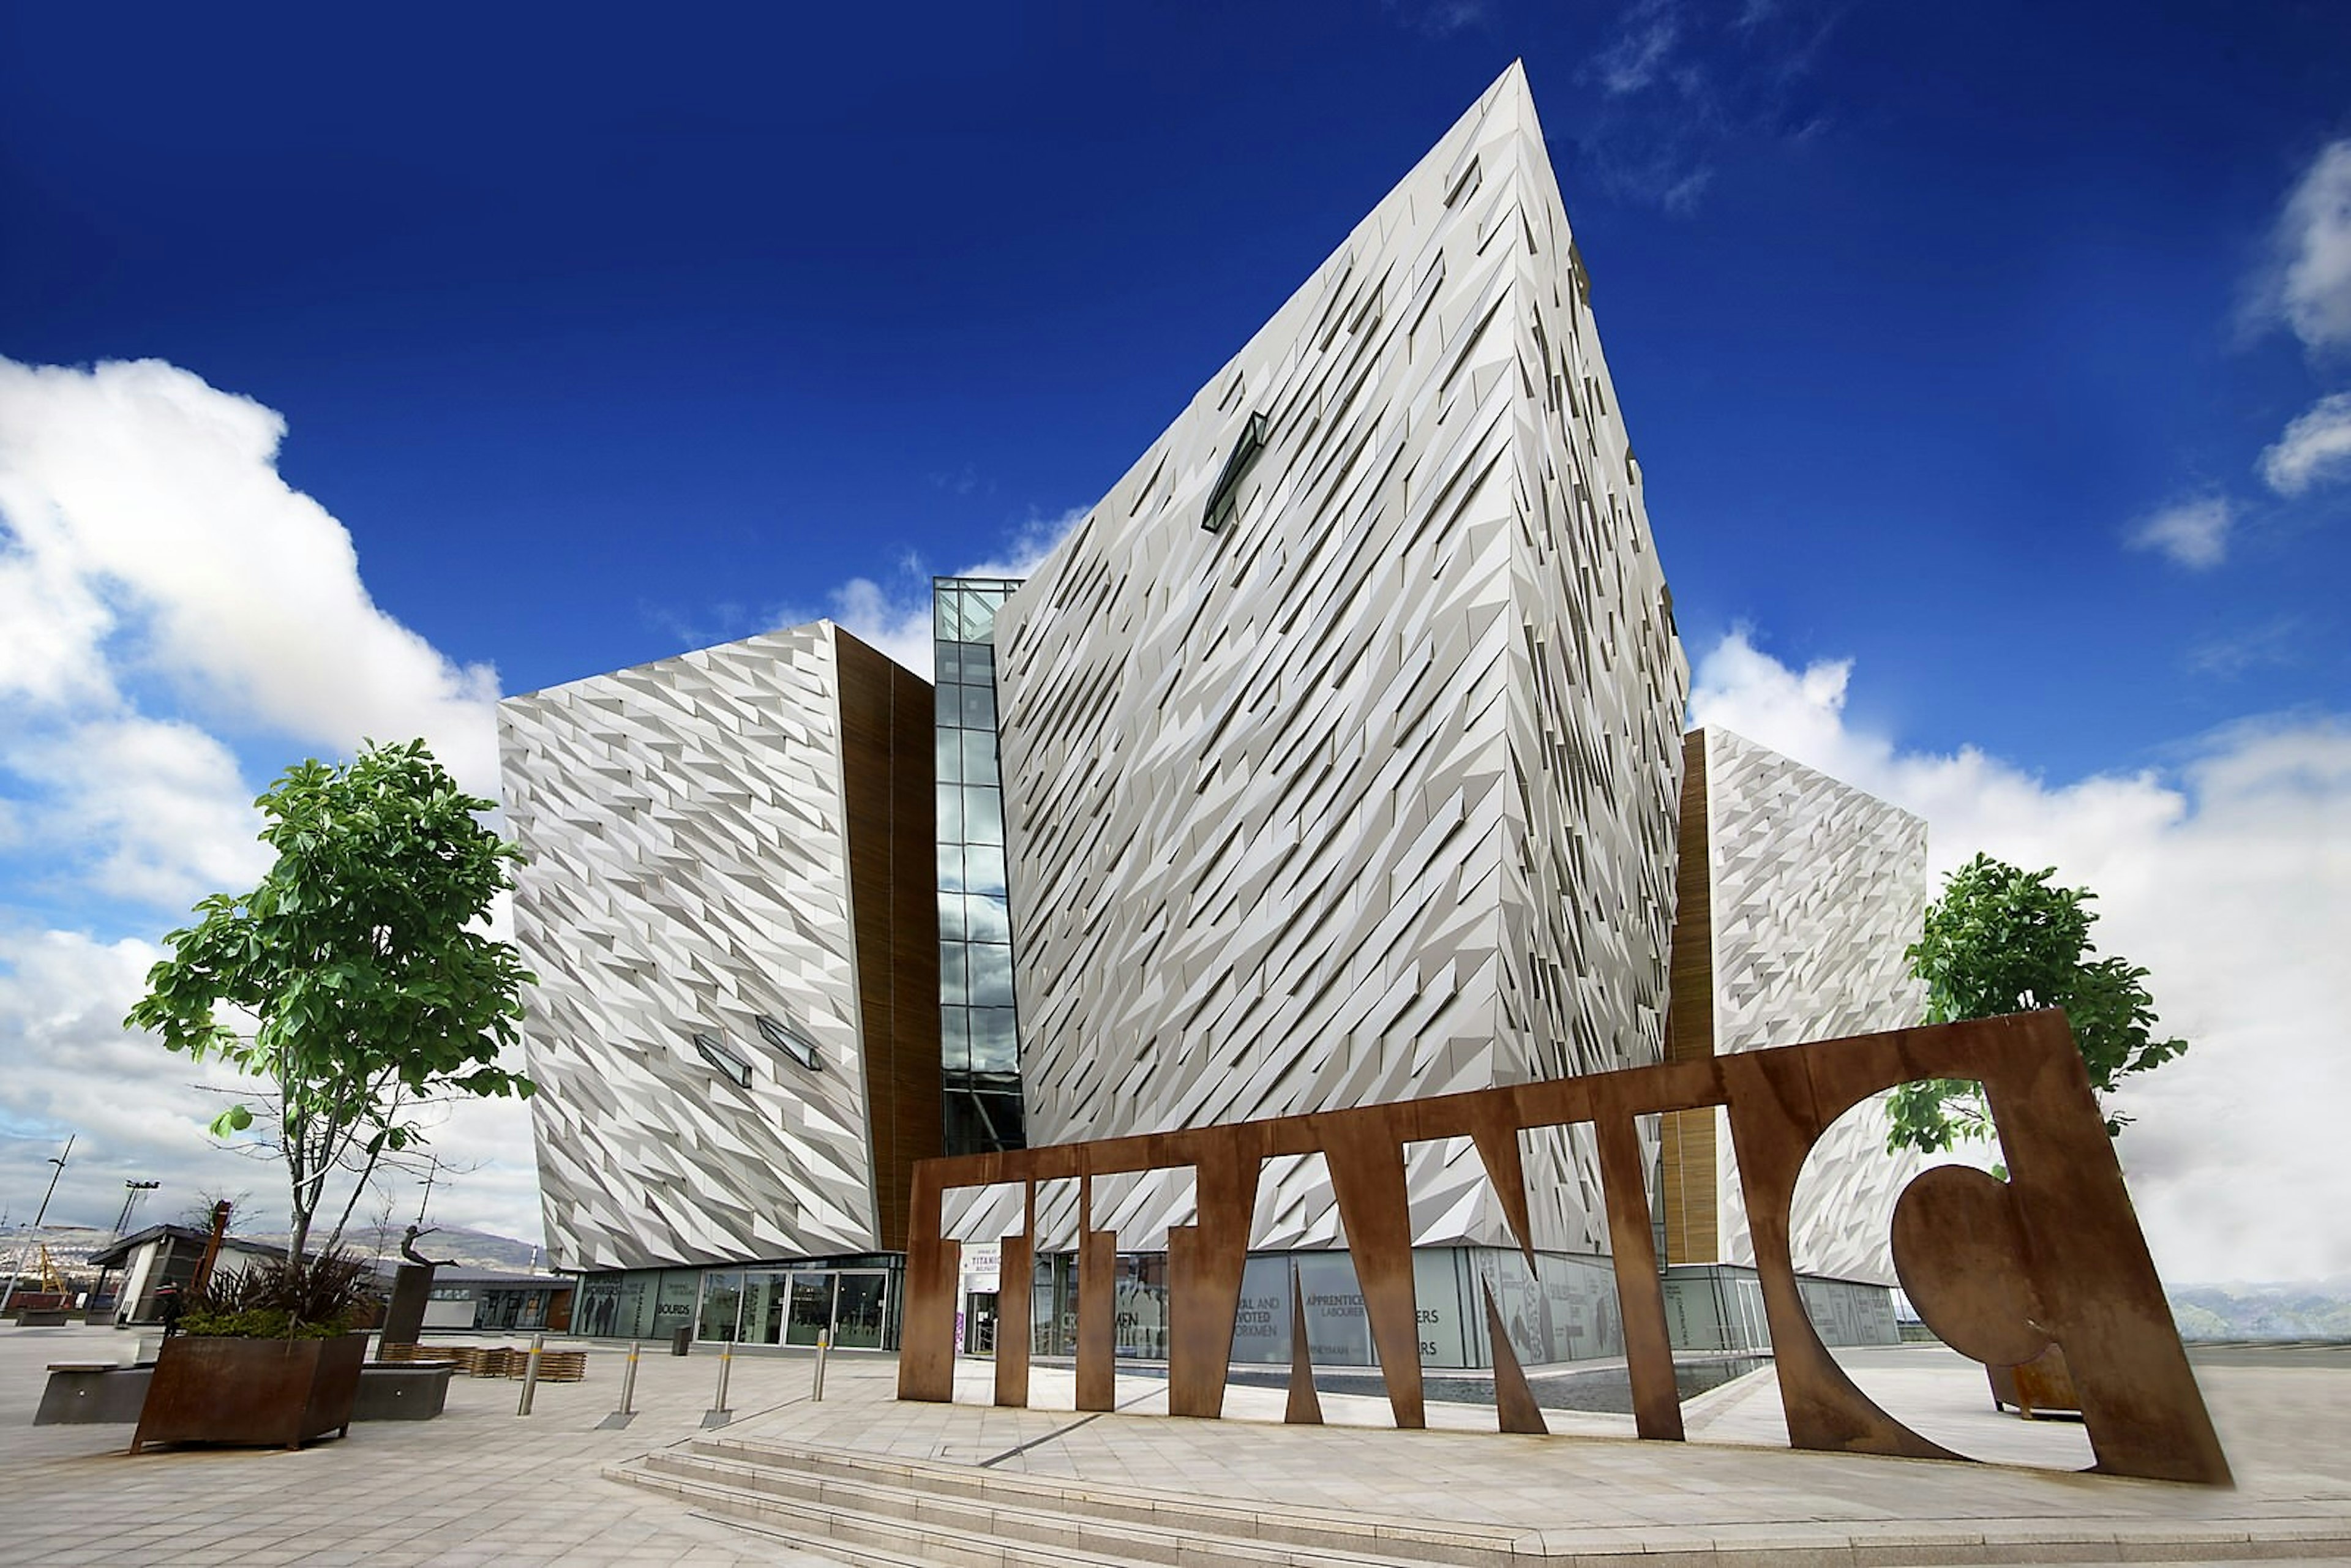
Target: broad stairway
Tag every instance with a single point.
(881, 1511)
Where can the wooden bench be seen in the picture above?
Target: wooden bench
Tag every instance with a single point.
(493, 1361)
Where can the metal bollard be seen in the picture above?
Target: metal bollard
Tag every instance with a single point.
(627, 1412)
(823, 1343)
(718, 1415)
(530, 1373)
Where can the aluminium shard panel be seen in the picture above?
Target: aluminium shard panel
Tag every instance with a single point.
(1343, 769)
(689, 874)
(1818, 887)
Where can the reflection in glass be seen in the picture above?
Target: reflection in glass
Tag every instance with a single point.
(978, 756)
(722, 1299)
(978, 706)
(995, 1048)
(983, 816)
(953, 992)
(862, 1309)
(950, 918)
(811, 1311)
(763, 1307)
(983, 869)
(949, 760)
(988, 919)
(991, 976)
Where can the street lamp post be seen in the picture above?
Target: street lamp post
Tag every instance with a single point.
(26, 1250)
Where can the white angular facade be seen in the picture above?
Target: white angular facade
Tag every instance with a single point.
(1812, 890)
(1343, 738)
(692, 827)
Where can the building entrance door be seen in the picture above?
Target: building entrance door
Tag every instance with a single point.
(979, 1325)
(811, 1309)
(859, 1307)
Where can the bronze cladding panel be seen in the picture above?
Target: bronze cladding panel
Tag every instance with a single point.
(1690, 1176)
(888, 758)
(2063, 1229)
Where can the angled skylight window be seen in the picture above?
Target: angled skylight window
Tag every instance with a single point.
(1223, 497)
(716, 1053)
(789, 1041)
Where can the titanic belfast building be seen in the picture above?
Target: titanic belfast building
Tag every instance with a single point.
(1335, 757)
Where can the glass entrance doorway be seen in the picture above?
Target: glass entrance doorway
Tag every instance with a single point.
(794, 1306)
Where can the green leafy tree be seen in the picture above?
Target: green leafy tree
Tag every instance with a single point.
(2003, 940)
(360, 966)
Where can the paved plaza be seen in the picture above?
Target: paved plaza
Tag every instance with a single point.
(482, 1485)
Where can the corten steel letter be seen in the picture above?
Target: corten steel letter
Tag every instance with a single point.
(2053, 1255)
(1514, 1402)
(1305, 1406)
(2061, 1236)
(1097, 1308)
(1204, 1271)
(1016, 1285)
(1640, 1299)
(1366, 1157)
(926, 1347)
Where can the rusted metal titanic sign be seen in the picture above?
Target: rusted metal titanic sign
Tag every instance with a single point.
(1999, 1269)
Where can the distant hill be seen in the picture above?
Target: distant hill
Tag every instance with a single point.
(2305, 1309)
(471, 1249)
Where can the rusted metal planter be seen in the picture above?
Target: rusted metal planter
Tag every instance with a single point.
(258, 1393)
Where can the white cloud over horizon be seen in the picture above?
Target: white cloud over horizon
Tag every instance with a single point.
(2229, 880)
(166, 594)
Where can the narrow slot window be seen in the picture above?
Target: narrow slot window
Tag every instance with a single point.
(789, 1041)
(1223, 497)
(724, 1060)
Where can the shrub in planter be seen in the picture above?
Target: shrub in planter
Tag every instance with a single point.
(263, 1356)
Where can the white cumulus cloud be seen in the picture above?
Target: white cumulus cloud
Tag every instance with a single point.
(2308, 285)
(2314, 449)
(149, 534)
(161, 589)
(2194, 534)
(2228, 877)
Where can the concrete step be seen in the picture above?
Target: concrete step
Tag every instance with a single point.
(874, 1526)
(961, 1493)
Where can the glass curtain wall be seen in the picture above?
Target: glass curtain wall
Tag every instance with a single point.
(979, 1037)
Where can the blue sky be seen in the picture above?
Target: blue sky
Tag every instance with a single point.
(1952, 340)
